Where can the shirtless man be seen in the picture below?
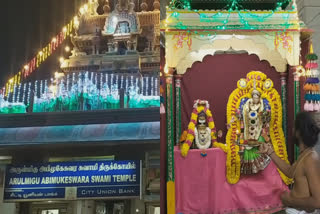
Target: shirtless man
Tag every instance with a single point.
(305, 195)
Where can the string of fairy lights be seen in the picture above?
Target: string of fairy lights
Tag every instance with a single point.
(234, 7)
(56, 42)
(223, 17)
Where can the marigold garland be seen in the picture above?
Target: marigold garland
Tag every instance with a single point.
(192, 124)
(276, 133)
(233, 159)
(221, 146)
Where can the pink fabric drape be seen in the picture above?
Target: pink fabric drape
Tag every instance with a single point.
(202, 188)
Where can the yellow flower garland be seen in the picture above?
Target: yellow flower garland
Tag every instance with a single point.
(221, 146)
(233, 159)
(276, 132)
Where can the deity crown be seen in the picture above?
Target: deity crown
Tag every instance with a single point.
(255, 91)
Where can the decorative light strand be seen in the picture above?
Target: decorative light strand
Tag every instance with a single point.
(121, 83)
(68, 82)
(46, 86)
(73, 79)
(111, 80)
(41, 87)
(233, 7)
(14, 93)
(147, 86)
(24, 92)
(9, 91)
(29, 93)
(19, 91)
(101, 80)
(117, 79)
(44, 53)
(127, 83)
(152, 86)
(137, 82)
(36, 88)
(156, 87)
(96, 78)
(107, 80)
(142, 84)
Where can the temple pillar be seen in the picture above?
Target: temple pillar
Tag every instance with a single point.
(170, 145)
(135, 44)
(297, 105)
(178, 107)
(129, 46)
(163, 162)
(116, 46)
(110, 48)
(284, 101)
(93, 49)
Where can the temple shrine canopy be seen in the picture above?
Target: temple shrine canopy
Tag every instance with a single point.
(271, 29)
(232, 15)
(241, 4)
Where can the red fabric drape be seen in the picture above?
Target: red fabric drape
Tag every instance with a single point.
(214, 79)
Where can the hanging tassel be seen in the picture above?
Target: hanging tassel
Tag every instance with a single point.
(162, 109)
(306, 106)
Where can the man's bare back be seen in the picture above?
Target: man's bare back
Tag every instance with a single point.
(297, 170)
(306, 175)
(305, 195)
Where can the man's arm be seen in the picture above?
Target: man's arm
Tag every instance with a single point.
(312, 172)
(267, 148)
(282, 165)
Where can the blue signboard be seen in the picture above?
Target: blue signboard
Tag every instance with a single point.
(73, 180)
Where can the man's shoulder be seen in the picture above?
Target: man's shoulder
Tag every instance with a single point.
(312, 159)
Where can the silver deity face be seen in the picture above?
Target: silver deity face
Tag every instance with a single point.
(202, 133)
(202, 120)
(255, 97)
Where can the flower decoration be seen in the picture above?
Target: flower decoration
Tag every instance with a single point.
(311, 87)
(183, 136)
(181, 38)
(268, 85)
(242, 84)
(257, 75)
(285, 39)
(276, 133)
(300, 71)
(199, 106)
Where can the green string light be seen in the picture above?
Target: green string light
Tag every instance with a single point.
(233, 7)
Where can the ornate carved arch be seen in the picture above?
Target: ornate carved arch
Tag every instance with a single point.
(261, 50)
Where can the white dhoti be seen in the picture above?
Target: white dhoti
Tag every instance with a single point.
(294, 211)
